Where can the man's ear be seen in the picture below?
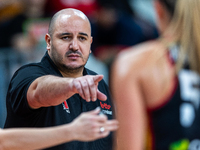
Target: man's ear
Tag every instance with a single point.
(48, 41)
(91, 40)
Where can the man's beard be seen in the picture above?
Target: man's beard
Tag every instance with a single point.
(72, 70)
(66, 68)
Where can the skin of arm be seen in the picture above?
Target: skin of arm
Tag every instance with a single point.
(51, 90)
(84, 128)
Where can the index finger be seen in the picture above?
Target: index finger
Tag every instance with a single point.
(98, 78)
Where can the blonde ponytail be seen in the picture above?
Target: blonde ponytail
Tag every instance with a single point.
(185, 30)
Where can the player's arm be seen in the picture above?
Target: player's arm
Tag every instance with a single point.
(52, 90)
(130, 107)
(84, 128)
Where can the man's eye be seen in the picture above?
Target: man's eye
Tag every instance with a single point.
(82, 38)
(65, 38)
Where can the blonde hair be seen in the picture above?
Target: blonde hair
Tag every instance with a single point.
(184, 30)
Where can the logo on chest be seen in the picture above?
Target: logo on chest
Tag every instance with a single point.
(104, 105)
(65, 106)
(107, 107)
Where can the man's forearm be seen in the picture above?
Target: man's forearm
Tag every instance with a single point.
(86, 127)
(49, 91)
(28, 139)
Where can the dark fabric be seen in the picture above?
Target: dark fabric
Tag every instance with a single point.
(19, 114)
(175, 125)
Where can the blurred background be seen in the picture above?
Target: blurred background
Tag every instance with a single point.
(116, 24)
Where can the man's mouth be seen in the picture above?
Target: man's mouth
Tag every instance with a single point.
(73, 56)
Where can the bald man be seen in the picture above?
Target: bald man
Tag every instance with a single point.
(59, 88)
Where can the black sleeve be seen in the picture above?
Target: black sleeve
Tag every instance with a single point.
(17, 91)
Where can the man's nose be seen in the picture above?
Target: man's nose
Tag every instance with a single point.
(74, 45)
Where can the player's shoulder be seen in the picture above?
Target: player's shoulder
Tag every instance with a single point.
(141, 51)
(140, 57)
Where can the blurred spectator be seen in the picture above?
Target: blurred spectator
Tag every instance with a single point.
(144, 9)
(21, 26)
(120, 5)
(9, 9)
(116, 26)
(13, 30)
(86, 6)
